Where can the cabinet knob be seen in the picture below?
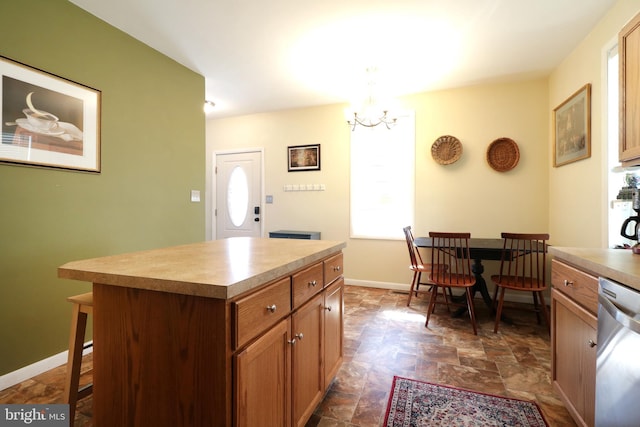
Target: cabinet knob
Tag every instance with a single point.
(568, 282)
(299, 336)
(271, 308)
(336, 268)
(292, 342)
(328, 308)
(313, 283)
(592, 343)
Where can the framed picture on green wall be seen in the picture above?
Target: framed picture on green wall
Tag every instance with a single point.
(47, 120)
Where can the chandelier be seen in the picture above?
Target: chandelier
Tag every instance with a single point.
(370, 113)
(369, 122)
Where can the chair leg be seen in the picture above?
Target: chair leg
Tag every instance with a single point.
(411, 289)
(446, 299)
(472, 313)
(432, 303)
(544, 311)
(500, 301)
(74, 361)
(536, 306)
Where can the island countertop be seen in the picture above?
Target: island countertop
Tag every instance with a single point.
(219, 269)
(620, 265)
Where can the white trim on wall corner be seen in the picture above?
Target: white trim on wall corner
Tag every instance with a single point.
(37, 368)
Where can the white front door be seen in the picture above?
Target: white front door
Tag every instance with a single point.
(238, 210)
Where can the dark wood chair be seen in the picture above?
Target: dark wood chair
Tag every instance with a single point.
(416, 265)
(523, 268)
(451, 269)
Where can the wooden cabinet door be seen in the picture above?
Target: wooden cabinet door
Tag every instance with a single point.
(307, 375)
(262, 379)
(574, 357)
(333, 329)
(629, 51)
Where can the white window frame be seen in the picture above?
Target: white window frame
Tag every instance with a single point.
(383, 179)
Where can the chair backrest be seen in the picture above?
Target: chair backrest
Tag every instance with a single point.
(450, 258)
(524, 259)
(414, 255)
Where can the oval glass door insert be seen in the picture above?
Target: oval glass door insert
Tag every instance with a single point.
(238, 196)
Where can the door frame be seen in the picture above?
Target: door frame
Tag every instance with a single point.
(214, 182)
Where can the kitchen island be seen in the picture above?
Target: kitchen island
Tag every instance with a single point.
(239, 331)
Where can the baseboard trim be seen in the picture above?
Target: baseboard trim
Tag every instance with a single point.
(402, 287)
(37, 368)
(518, 297)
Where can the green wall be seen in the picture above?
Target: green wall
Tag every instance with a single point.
(153, 154)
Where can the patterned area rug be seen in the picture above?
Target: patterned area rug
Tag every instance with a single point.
(416, 403)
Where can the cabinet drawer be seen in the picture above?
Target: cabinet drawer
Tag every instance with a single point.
(260, 310)
(333, 268)
(306, 284)
(576, 284)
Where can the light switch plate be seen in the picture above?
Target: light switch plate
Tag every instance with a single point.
(195, 195)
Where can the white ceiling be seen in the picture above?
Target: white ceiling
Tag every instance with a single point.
(265, 55)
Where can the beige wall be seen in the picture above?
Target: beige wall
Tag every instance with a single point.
(569, 202)
(577, 192)
(467, 195)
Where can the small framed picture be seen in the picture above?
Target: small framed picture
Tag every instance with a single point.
(47, 120)
(572, 128)
(303, 158)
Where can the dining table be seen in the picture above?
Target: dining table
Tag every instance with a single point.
(480, 249)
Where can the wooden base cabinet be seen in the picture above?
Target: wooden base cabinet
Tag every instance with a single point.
(262, 379)
(308, 376)
(282, 375)
(333, 330)
(573, 340)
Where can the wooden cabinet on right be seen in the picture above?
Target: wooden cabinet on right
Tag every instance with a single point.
(629, 52)
(573, 339)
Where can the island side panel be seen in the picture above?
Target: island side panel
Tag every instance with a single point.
(160, 359)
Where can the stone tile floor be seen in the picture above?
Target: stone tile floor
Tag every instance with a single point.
(383, 338)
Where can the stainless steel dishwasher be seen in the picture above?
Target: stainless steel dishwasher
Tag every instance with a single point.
(618, 356)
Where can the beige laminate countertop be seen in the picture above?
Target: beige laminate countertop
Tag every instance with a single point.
(216, 269)
(620, 265)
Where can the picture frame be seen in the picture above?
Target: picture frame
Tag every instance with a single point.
(46, 120)
(572, 128)
(303, 158)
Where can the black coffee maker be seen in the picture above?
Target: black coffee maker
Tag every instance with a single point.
(633, 221)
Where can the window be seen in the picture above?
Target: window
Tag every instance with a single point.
(619, 210)
(382, 179)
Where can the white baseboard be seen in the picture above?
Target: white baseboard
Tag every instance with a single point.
(37, 368)
(402, 287)
(520, 297)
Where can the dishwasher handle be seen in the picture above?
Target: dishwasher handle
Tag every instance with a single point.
(619, 315)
